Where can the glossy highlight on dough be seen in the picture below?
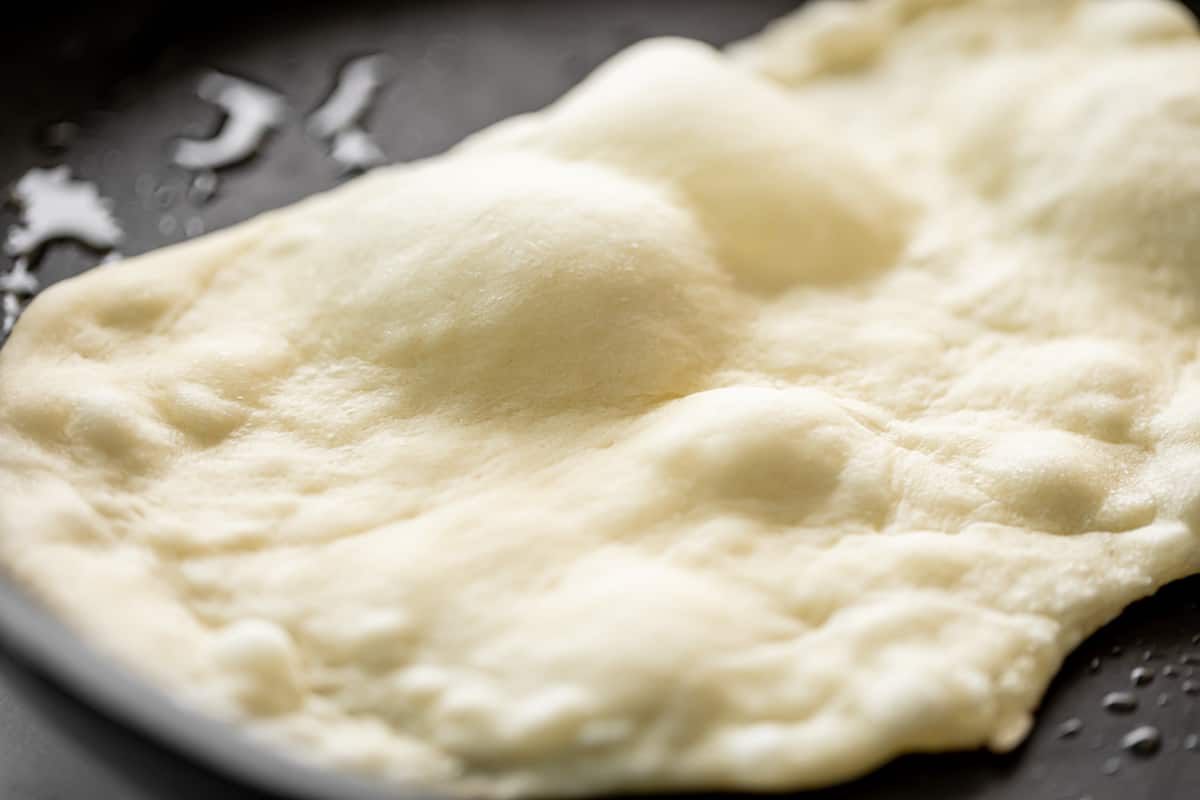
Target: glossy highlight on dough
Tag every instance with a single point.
(743, 420)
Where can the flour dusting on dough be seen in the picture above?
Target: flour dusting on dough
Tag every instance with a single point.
(743, 420)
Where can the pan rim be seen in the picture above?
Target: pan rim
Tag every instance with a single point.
(38, 641)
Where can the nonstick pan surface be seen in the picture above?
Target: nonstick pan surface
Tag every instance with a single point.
(74, 728)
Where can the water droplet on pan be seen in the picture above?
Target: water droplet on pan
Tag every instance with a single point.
(194, 227)
(10, 309)
(252, 111)
(357, 84)
(1141, 676)
(165, 196)
(355, 151)
(17, 286)
(1111, 766)
(54, 206)
(1191, 687)
(338, 118)
(1170, 671)
(1070, 728)
(1142, 741)
(202, 188)
(1094, 665)
(19, 280)
(1119, 702)
(1191, 742)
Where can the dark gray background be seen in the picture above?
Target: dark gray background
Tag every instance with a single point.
(126, 76)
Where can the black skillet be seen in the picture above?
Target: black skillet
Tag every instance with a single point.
(74, 728)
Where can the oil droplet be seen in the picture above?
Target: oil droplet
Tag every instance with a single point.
(355, 151)
(167, 225)
(357, 84)
(58, 136)
(1170, 671)
(1163, 700)
(1119, 702)
(1141, 676)
(1116, 651)
(1190, 658)
(1191, 687)
(1111, 766)
(1070, 728)
(194, 227)
(252, 111)
(1094, 665)
(1148, 655)
(1191, 742)
(203, 187)
(56, 206)
(1196, 638)
(1142, 741)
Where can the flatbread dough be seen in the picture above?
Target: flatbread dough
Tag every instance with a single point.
(739, 421)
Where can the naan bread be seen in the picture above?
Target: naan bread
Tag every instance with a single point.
(739, 421)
